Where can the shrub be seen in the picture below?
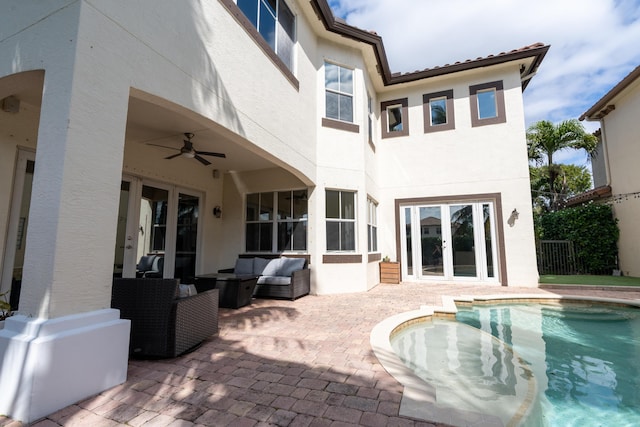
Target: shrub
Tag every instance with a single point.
(592, 228)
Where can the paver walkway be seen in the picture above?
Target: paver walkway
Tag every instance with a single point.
(301, 363)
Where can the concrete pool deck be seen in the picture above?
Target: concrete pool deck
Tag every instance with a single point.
(307, 362)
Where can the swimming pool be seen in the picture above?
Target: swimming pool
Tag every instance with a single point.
(527, 364)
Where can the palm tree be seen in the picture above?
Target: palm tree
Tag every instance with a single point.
(544, 139)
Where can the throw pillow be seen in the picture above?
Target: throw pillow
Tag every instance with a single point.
(272, 268)
(289, 265)
(259, 264)
(243, 266)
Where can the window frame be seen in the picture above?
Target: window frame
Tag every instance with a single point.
(403, 103)
(262, 43)
(372, 225)
(340, 123)
(427, 111)
(340, 220)
(274, 221)
(500, 116)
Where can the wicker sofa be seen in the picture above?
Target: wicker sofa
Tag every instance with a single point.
(163, 325)
(278, 276)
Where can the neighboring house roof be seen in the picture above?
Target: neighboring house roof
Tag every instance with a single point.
(340, 27)
(598, 193)
(603, 106)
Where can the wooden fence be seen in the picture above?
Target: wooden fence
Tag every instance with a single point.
(557, 257)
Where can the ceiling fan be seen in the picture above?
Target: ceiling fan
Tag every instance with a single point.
(189, 152)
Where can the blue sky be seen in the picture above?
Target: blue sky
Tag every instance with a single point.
(594, 44)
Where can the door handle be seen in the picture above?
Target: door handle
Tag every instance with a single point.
(128, 247)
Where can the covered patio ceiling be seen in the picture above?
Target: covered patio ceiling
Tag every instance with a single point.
(150, 123)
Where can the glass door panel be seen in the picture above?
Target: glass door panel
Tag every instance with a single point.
(408, 244)
(449, 241)
(488, 239)
(121, 230)
(186, 237)
(431, 241)
(463, 241)
(153, 225)
(16, 242)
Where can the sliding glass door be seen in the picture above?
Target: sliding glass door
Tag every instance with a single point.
(454, 241)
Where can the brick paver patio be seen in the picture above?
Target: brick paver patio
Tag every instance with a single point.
(301, 363)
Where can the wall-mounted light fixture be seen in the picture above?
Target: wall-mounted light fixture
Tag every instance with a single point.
(217, 211)
(512, 219)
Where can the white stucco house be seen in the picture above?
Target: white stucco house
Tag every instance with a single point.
(615, 171)
(327, 154)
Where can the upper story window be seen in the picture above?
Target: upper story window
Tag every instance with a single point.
(438, 111)
(395, 118)
(341, 220)
(275, 22)
(338, 82)
(487, 104)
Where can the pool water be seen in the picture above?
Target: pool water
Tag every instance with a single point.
(581, 362)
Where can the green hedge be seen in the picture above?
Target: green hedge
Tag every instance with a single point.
(592, 228)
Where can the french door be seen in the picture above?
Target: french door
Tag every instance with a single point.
(454, 241)
(159, 220)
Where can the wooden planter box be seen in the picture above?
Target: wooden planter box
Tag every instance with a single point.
(389, 272)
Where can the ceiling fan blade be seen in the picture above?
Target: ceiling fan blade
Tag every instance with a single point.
(202, 160)
(210, 153)
(173, 156)
(164, 146)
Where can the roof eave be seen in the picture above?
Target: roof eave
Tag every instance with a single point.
(331, 24)
(598, 110)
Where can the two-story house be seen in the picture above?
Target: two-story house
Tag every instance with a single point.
(615, 173)
(202, 130)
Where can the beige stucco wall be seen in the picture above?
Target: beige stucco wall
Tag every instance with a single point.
(621, 129)
(203, 62)
(467, 161)
(97, 53)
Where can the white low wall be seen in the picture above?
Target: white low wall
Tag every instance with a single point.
(48, 364)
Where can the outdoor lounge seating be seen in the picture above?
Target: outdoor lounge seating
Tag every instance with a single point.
(278, 277)
(163, 324)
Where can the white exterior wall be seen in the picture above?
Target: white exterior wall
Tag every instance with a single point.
(465, 161)
(193, 59)
(621, 129)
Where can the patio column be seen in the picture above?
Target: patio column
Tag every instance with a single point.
(67, 343)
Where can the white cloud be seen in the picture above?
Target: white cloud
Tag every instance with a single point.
(594, 43)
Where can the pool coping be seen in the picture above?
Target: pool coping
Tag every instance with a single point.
(419, 397)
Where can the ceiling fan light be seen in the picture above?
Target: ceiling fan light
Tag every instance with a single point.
(189, 154)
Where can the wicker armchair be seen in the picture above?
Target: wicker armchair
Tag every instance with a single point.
(161, 325)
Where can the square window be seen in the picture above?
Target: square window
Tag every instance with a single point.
(395, 118)
(438, 111)
(487, 104)
(487, 108)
